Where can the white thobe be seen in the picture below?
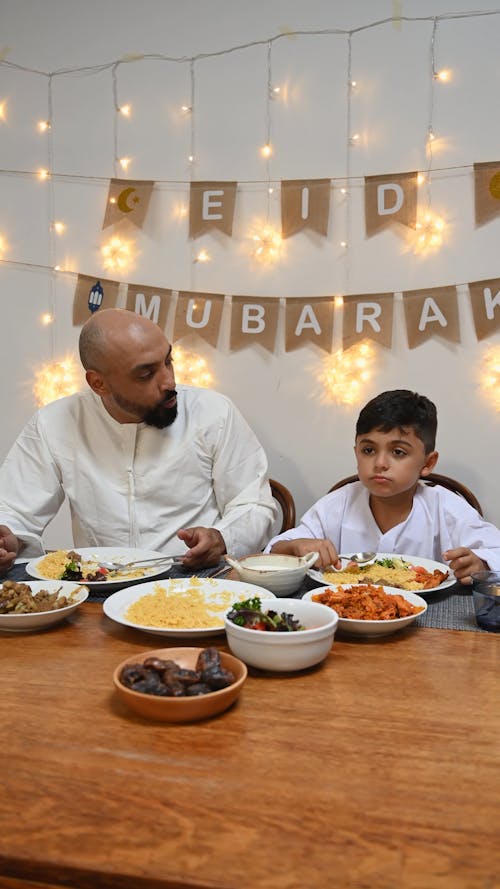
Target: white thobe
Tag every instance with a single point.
(439, 520)
(134, 485)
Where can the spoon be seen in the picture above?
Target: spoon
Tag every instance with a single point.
(361, 558)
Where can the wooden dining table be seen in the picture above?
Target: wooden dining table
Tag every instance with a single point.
(378, 769)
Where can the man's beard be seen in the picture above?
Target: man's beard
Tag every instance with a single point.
(159, 416)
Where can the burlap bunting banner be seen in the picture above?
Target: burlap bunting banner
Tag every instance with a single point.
(485, 301)
(309, 320)
(368, 317)
(92, 294)
(198, 313)
(486, 191)
(431, 313)
(390, 199)
(211, 205)
(253, 320)
(305, 203)
(127, 200)
(151, 302)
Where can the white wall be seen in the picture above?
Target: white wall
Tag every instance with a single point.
(309, 442)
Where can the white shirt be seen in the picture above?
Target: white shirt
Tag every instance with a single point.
(134, 485)
(439, 520)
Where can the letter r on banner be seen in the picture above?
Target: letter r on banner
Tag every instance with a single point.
(368, 312)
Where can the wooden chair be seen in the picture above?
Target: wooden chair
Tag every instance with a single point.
(433, 479)
(286, 503)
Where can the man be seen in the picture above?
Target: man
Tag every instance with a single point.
(141, 463)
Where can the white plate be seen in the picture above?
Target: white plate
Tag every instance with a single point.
(21, 622)
(376, 627)
(115, 606)
(109, 554)
(429, 564)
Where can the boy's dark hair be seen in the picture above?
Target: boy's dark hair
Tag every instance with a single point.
(400, 409)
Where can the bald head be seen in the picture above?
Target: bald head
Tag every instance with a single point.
(111, 333)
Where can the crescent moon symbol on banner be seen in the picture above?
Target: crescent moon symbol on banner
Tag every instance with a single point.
(122, 200)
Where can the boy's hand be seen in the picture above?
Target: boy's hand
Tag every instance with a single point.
(464, 563)
(303, 545)
(9, 546)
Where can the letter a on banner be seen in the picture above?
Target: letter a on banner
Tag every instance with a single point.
(211, 205)
(305, 203)
(390, 199)
(431, 313)
(309, 321)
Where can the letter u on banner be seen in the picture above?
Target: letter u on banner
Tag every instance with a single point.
(368, 317)
(253, 321)
(390, 199)
(199, 313)
(431, 313)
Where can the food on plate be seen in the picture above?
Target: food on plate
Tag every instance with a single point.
(395, 572)
(181, 608)
(69, 565)
(17, 598)
(366, 602)
(249, 614)
(166, 678)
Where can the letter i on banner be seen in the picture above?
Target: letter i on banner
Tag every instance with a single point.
(305, 203)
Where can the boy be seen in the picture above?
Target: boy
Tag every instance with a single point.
(389, 509)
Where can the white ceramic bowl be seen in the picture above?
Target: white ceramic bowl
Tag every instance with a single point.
(286, 651)
(37, 620)
(280, 574)
(376, 627)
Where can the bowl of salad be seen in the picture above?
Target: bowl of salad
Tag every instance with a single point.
(284, 635)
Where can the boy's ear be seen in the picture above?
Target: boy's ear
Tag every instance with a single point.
(430, 462)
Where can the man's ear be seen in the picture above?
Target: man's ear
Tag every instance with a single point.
(430, 462)
(96, 382)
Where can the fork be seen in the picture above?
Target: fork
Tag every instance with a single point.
(120, 566)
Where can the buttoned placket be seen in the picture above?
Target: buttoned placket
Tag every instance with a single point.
(130, 432)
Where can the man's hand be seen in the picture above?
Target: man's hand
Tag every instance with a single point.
(9, 546)
(464, 563)
(206, 546)
(328, 555)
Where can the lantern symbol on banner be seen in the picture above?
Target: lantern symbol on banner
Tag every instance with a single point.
(96, 297)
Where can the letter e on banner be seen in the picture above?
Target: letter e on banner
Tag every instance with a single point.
(211, 205)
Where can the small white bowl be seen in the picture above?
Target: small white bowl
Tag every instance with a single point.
(291, 651)
(280, 574)
(375, 627)
(37, 620)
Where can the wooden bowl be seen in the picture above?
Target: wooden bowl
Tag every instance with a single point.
(185, 709)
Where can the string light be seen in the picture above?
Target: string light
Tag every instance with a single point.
(117, 254)
(444, 75)
(429, 233)
(44, 125)
(345, 374)
(266, 150)
(55, 380)
(186, 109)
(3, 110)
(267, 244)
(202, 256)
(59, 227)
(354, 139)
(191, 369)
(43, 174)
(126, 110)
(274, 92)
(47, 318)
(3, 246)
(489, 375)
(124, 162)
(191, 158)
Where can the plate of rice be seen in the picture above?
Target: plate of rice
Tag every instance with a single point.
(184, 607)
(53, 566)
(368, 610)
(411, 573)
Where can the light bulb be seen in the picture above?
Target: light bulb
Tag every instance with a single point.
(186, 108)
(191, 158)
(59, 227)
(125, 110)
(266, 150)
(47, 318)
(3, 110)
(443, 75)
(202, 256)
(354, 138)
(43, 174)
(124, 162)
(43, 125)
